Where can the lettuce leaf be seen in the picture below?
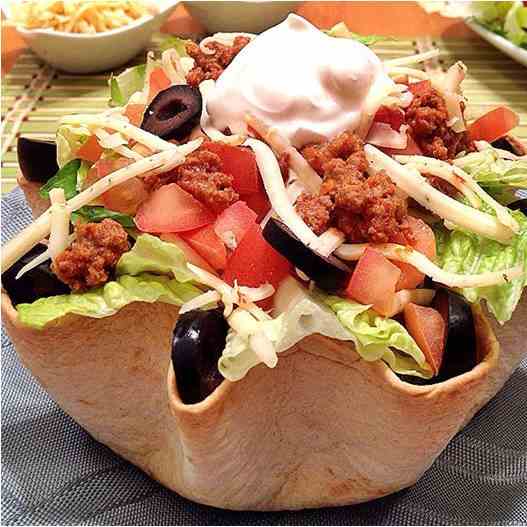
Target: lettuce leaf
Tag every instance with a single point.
(177, 43)
(124, 85)
(341, 30)
(372, 335)
(152, 255)
(65, 178)
(69, 139)
(467, 253)
(508, 19)
(499, 177)
(106, 301)
(96, 214)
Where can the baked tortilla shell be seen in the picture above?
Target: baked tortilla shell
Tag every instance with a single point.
(324, 428)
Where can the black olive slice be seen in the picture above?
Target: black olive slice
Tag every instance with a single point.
(330, 274)
(173, 112)
(510, 144)
(460, 348)
(37, 283)
(198, 341)
(37, 159)
(520, 205)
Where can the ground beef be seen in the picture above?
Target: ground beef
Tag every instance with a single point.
(92, 257)
(365, 208)
(211, 66)
(427, 117)
(443, 186)
(202, 176)
(316, 211)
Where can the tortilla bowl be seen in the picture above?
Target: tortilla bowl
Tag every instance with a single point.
(324, 428)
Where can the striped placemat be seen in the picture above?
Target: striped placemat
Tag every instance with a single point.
(34, 96)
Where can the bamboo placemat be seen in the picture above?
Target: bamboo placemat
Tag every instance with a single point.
(35, 96)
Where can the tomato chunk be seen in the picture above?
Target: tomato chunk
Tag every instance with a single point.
(428, 329)
(419, 88)
(239, 163)
(373, 281)
(208, 244)
(158, 82)
(190, 254)
(493, 125)
(237, 219)
(135, 112)
(171, 209)
(257, 202)
(425, 242)
(392, 116)
(91, 150)
(255, 262)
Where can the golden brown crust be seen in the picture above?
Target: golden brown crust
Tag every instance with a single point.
(323, 428)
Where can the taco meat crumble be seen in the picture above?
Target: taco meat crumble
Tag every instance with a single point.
(427, 117)
(91, 258)
(211, 66)
(365, 208)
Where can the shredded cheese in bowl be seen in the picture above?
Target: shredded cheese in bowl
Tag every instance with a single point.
(79, 16)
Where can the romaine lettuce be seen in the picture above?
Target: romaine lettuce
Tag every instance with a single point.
(124, 85)
(69, 139)
(107, 300)
(65, 178)
(467, 253)
(333, 317)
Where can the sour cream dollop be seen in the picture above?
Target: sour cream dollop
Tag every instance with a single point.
(309, 85)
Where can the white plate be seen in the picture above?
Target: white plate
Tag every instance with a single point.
(514, 51)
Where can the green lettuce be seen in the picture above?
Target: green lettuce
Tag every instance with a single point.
(124, 85)
(65, 178)
(499, 177)
(177, 43)
(373, 336)
(107, 300)
(508, 19)
(152, 255)
(467, 253)
(69, 139)
(341, 30)
(95, 214)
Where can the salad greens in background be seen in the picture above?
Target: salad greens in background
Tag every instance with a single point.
(508, 19)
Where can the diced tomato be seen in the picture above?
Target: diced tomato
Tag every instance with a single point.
(158, 82)
(424, 242)
(208, 244)
(238, 219)
(103, 167)
(373, 281)
(239, 163)
(392, 116)
(190, 254)
(126, 197)
(493, 125)
(427, 327)
(257, 202)
(90, 151)
(255, 262)
(171, 209)
(402, 79)
(412, 149)
(135, 112)
(420, 88)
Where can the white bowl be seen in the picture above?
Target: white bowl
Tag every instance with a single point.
(79, 53)
(504, 45)
(242, 16)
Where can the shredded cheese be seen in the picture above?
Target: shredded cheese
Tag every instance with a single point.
(405, 254)
(210, 297)
(416, 186)
(413, 59)
(59, 223)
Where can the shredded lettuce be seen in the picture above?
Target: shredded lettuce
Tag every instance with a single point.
(333, 317)
(69, 139)
(150, 254)
(499, 177)
(124, 85)
(177, 43)
(467, 253)
(341, 30)
(65, 178)
(106, 301)
(508, 19)
(96, 214)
